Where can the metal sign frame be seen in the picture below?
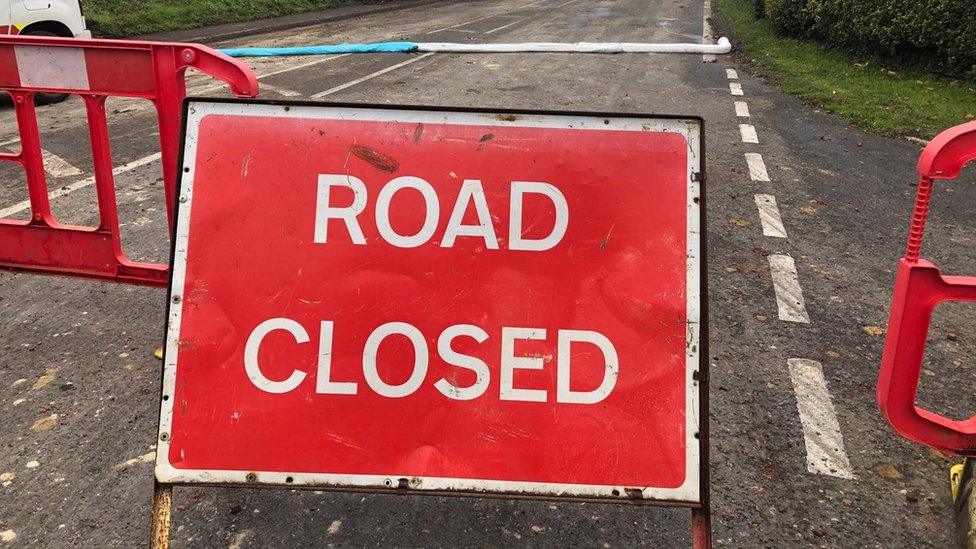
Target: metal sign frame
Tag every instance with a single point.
(692, 493)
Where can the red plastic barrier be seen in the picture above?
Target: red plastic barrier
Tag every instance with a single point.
(95, 70)
(919, 288)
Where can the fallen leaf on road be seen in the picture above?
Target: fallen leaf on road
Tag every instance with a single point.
(240, 538)
(739, 222)
(158, 353)
(874, 330)
(45, 423)
(809, 210)
(144, 458)
(887, 471)
(335, 527)
(833, 354)
(8, 536)
(44, 380)
(33, 464)
(4, 477)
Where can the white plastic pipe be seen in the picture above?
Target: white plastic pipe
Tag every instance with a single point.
(722, 47)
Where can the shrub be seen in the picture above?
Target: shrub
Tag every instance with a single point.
(790, 17)
(938, 35)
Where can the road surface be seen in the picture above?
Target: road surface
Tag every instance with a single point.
(806, 219)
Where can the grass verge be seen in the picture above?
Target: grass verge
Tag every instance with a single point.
(873, 97)
(118, 18)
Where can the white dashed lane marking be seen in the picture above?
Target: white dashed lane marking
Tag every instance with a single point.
(462, 24)
(757, 168)
(772, 223)
(786, 285)
(821, 431)
(824, 442)
(748, 133)
(505, 26)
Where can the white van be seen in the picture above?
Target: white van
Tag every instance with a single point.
(43, 17)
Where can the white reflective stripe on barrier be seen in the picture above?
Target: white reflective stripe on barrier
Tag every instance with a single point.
(52, 67)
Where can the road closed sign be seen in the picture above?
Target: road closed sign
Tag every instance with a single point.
(436, 301)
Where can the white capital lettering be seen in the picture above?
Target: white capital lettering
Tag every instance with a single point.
(253, 345)
(323, 380)
(431, 215)
(515, 240)
(468, 362)
(510, 363)
(420, 362)
(471, 189)
(324, 212)
(563, 392)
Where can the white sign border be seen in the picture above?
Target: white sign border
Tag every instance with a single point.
(690, 490)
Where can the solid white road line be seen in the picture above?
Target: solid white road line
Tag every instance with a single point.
(786, 285)
(462, 24)
(748, 133)
(757, 168)
(496, 29)
(57, 166)
(742, 109)
(735, 88)
(67, 189)
(772, 223)
(821, 431)
(280, 91)
(731, 74)
(369, 76)
(707, 31)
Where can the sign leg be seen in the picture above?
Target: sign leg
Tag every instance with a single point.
(701, 528)
(161, 511)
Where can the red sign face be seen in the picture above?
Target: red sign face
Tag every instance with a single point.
(433, 300)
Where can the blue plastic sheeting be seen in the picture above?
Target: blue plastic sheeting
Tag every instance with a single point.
(326, 49)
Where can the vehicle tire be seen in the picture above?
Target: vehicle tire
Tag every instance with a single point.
(47, 98)
(964, 504)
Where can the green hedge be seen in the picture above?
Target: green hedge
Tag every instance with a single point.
(939, 35)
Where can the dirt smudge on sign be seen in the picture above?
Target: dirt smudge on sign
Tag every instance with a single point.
(375, 158)
(509, 117)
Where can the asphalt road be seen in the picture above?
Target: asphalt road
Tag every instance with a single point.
(797, 459)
